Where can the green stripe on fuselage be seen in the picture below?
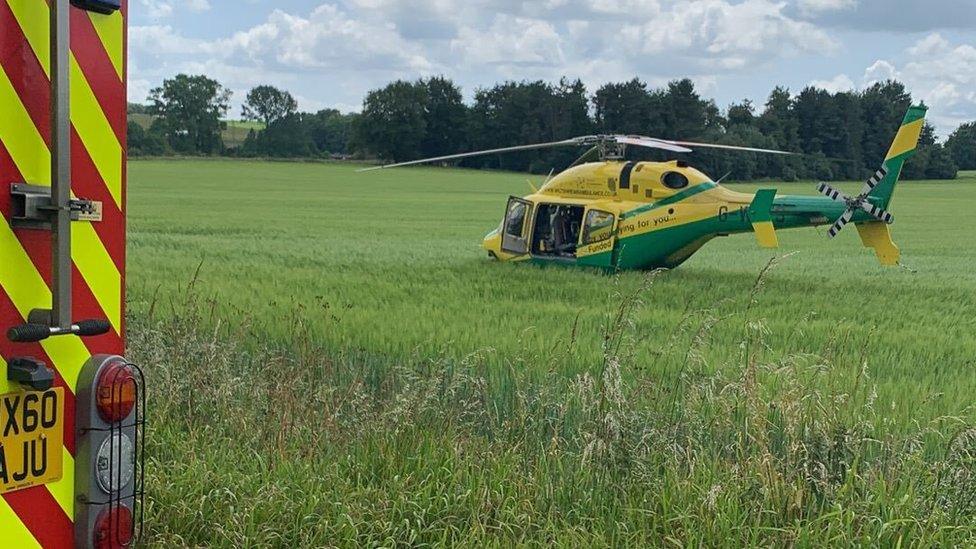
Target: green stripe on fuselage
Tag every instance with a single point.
(657, 248)
(677, 197)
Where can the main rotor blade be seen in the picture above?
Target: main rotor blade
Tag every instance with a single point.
(650, 142)
(844, 219)
(563, 143)
(728, 147)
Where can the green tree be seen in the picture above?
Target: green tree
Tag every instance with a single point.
(741, 114)
(142, 142)
(779, 123)
(845, 134)
(267, 104)
(812, 109)
(330, 131)
(393, 122)
(686, 115)
(931, 160)
(778, 120)
(883, 107)
(962, 146)
(941, 164)
(628, 108)
(285, 137)
(445, 117)
(189, 111)
(529, 112)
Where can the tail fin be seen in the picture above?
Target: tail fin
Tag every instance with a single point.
(902, 148)
(876, 234)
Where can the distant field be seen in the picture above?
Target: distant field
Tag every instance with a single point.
(233, 136)
(381, 275)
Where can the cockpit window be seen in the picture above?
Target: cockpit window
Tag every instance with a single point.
(674, 180)
(515, 219)
(598, 226)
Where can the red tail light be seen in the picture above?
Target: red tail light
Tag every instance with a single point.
(113, 528)
(115, 392)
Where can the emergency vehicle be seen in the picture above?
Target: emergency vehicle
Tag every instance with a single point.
(71, 406)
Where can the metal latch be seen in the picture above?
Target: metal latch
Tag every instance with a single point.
(30, 372)
(32, 207)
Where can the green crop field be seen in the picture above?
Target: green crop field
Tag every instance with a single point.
(332, 360)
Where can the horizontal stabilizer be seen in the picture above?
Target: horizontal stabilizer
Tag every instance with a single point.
(875, 234)
(761, 216)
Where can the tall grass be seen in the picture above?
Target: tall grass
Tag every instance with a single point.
(388, 263)
(296, 443)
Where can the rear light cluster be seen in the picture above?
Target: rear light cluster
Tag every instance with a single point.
(115, 391)
(110, 435)
(113, 528)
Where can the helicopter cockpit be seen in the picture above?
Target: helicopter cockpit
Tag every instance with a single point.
(557, 230)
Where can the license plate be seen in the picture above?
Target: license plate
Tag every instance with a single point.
(31, 438)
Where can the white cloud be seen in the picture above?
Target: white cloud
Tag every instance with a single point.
(335, 52)
(890, 15)
(138, 89)
(933, 44)
(939, 73)
(510, 41)
(819, 6)
(839, 83)
(196, 5)
(160, 9)
(161, 40)
(879, 71)
(725, 35)
(157, 10)
(327, 39)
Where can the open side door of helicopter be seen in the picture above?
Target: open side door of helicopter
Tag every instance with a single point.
(556, 231)
(597, 239)
(515, 227)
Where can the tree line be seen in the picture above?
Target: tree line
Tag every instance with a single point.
(843, 135)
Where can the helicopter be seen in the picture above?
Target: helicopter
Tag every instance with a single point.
(618, 214)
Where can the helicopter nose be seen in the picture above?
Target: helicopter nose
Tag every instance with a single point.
(492, 242)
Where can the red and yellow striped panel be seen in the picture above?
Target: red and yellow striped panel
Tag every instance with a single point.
(42, 516)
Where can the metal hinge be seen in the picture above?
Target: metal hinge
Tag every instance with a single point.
(32, 207)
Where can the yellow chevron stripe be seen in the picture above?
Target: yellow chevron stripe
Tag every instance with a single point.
(907, 139)
(109, 29)
(33, 16)
(27, 290)
(63, 490)
(13, 532)
(99, 271)
(32, 157)
(21, 138)
(95, 131)
(90, 256)
(5, 385)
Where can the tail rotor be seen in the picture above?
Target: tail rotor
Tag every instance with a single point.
(859, 202)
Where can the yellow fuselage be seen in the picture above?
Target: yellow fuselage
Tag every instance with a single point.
(652, 215)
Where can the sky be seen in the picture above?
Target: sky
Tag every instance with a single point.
(331, 53)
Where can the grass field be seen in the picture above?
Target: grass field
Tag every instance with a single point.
(336, 362)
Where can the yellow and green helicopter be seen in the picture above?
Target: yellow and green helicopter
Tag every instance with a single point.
(616, 214)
